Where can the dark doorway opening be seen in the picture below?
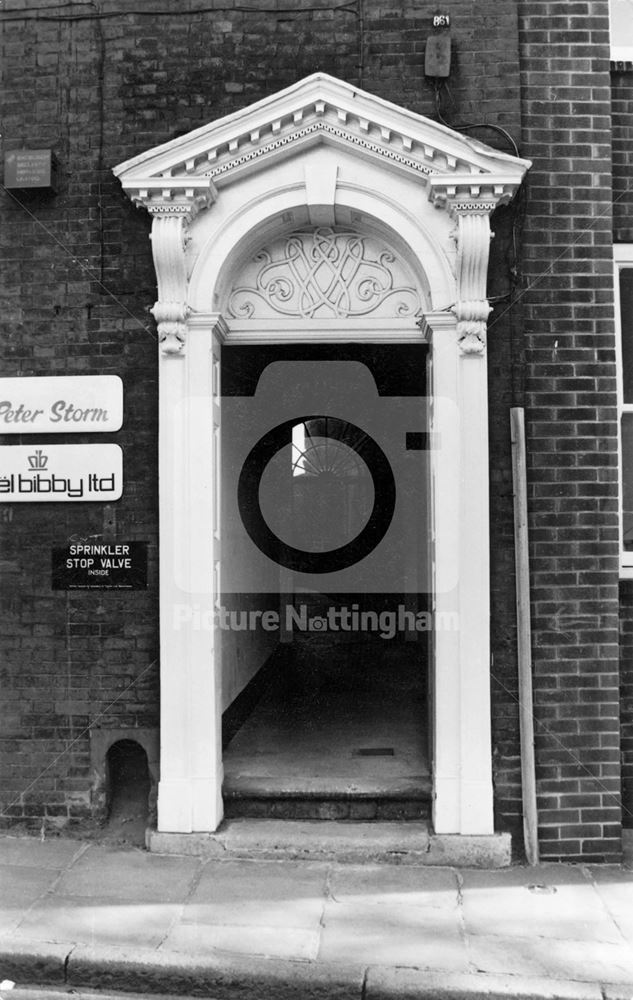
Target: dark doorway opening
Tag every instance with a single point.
(322, 721)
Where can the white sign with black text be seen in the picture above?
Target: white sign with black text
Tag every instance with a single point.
(61, 404)
(67, 472)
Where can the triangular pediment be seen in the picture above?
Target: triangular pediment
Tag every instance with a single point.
(319, 109)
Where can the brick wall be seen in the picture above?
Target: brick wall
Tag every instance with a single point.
(77, 284)
(572, 431)
(77, 281)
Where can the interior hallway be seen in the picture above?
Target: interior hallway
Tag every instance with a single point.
(338, 721)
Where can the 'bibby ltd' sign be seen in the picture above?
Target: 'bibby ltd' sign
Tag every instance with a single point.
(30, 474)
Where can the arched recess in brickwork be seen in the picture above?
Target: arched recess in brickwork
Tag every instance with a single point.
(322, 164)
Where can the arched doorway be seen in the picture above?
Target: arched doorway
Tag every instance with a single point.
(321, 155)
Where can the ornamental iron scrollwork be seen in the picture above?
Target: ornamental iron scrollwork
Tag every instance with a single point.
(324, 274)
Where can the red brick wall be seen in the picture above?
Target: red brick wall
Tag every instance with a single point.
(572, 431)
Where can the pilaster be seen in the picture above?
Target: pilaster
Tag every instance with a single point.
(461, 586)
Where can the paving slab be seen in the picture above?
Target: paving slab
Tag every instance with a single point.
(99, 919)
(290, 943)
(122, 875)
(32, 852)
(389, 885)
(20, 888)
(393, 935)
(590, 961)
(266, 893)
(614, 886)
(548, 902)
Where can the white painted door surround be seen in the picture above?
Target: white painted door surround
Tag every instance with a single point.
(322, 156)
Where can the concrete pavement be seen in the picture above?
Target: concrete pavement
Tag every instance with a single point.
(81, 916)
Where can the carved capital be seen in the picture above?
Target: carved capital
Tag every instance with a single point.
(475, 192)
(169, 239)
(171, 196)
(171, 318)
(472, 308)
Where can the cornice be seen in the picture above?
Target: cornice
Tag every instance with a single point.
(478, 193)
(320, 109)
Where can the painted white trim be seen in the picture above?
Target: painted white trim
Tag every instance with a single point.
(623, 253)
(459, 500)
(283, 331)
(190, 787)
(622, 53)
(621, 30)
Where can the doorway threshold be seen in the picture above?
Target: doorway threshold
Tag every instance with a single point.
(411, 843)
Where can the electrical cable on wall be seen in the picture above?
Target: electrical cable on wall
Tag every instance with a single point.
(464, 128)
(519, 203)
(350, 7)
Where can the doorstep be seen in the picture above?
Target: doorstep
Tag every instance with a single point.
(327, 798)
(400, 843)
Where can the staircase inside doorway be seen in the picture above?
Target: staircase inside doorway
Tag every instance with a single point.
(339, 733)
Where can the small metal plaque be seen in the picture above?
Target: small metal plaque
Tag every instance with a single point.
(100, 566)
(29, 168)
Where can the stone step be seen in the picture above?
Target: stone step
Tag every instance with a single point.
(296, 807)
(411, 843)
(326, 799)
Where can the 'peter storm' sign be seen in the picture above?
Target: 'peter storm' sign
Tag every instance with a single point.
(62, 404)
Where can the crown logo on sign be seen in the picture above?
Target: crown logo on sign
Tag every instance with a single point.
(38, 460)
